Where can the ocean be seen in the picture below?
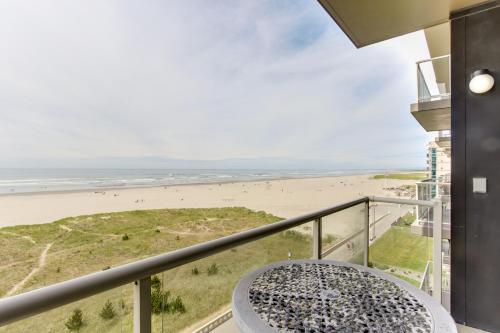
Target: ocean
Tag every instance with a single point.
(45, 180)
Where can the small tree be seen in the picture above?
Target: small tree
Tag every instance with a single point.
(108, 311)
(75, 322)
(155, 283)
(213, 269)
(125, 237)
(177, 305)
(159, 301)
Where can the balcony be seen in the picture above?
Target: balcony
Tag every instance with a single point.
(428, 190)
(433, 108)
(359, 231)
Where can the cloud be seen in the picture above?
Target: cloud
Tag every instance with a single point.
(202, 80)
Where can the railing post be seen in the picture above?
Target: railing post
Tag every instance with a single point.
(437, 241)
(366, 234)
(317, 239)
(142, 306)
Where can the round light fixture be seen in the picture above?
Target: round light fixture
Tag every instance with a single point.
(481, 81)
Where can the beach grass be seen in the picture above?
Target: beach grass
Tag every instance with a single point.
(85, 244)
(402, 176)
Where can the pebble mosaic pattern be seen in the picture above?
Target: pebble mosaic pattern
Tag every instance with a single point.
(311, 297)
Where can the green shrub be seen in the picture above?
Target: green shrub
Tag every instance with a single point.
(125, 237)
(195, 271)
(177, 306)
(329, 239)
(159, 301)
(177, 237)
(405, 220)
(75, 321)
(158, 230)
(155, 282)
(108, 311)
(213, 269)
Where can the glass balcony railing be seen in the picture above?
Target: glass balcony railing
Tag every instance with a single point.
(433, 79)
(171, 291)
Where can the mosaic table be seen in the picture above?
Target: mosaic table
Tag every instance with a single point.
(331, 296)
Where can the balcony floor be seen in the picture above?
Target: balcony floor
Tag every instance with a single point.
(463, 329)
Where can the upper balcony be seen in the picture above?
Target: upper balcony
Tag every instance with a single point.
(433, 108)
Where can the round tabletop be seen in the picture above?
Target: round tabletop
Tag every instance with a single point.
(331, 296)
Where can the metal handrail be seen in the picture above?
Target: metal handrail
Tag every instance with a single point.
(399, 201)
(17, 307)
(432, 59)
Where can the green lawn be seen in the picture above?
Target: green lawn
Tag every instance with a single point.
(85, 244)
(402, 176)
(399, 247)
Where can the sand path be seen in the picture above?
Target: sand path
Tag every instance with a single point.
(41, 263)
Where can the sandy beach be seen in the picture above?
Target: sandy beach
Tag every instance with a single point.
(284, 198)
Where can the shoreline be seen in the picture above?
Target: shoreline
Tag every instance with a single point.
(286, 197)
(127, 187)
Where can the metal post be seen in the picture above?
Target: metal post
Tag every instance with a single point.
(437, 240)
(317, 239)
(142, 306)
(366, 234)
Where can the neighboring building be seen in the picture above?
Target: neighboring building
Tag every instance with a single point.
(438, 162)
(437, 184)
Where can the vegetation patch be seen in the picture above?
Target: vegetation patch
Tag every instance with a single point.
(399, 247)
(402, 176)
(405, 220)
(189, 294)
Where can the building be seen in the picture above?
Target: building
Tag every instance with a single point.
(469, 31)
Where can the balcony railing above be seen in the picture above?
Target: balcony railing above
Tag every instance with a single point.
(432, 109)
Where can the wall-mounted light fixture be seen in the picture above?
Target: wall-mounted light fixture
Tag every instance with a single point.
(481, 81)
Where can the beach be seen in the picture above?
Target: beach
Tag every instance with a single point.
(284, 198)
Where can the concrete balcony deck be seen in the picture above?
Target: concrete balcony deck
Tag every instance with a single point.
(433, 115)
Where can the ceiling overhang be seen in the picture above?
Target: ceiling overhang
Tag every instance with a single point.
(367, 22)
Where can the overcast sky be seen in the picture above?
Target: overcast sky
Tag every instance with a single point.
(201, 80)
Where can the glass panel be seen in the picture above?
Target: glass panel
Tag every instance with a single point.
(399, 245)
(201, 291)
(110, 311)
(433, 79)
(343, 235)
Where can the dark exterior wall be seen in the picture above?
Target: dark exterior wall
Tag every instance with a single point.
(475, 285)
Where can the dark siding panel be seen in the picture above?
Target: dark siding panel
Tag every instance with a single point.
(483, 160)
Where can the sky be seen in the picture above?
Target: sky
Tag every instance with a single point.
(83, 82)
